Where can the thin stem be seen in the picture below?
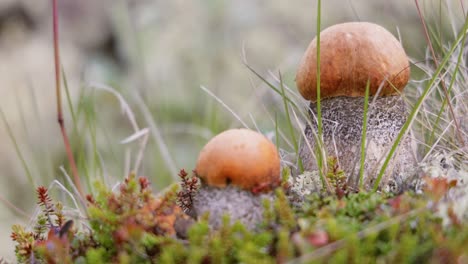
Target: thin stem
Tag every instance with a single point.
(364, 137)
(17, 148)
(320, 157)
(463, 8)
(66, 141)
(15, 208)
(57, 61)
(290, 124)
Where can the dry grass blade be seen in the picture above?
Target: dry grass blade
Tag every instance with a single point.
(124, 106)
(127, 111)
(325, 183)
(143, 134)
(436, 61)
(422, 98)
(163, 149)
(224, 105)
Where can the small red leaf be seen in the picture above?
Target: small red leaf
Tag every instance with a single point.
(318, 238)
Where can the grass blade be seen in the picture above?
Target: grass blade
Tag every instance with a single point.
(224, 105)
(278, 91)
(290, 125)
(17, 149)
(320, 156)
(364, 137)
(445, 101)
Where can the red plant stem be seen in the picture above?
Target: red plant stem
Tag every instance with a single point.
(436, 61)
(463, 8)
(66, 141)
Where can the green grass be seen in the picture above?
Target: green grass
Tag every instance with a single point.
(320, 157)
(363, 137)
(19, 153)
(94, 132)
(292, 132)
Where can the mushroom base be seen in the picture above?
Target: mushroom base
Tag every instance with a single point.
(239, 204)
(342, 119)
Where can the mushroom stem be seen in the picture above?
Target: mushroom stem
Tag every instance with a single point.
(241, 205)
(342, 119)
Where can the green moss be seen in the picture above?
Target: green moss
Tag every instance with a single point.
(96, 255)
(132, 225)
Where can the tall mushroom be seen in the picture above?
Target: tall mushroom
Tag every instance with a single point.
(238, 168)
(351, 54)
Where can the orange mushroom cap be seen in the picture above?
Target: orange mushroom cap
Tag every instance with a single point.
(241, 157)
(350, 55)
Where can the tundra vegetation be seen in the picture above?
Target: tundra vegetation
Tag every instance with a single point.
(323, 215)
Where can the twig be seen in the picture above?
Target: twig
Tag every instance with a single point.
(13, 207)
(463, 8)
(66, 141)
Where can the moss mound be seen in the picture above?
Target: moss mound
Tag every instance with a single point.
(133, 225)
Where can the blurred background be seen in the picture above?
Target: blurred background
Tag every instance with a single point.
(156, 55)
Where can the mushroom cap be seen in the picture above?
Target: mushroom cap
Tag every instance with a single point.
(240, 157)
(350, 55)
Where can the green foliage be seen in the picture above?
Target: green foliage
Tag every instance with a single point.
(132, 225)
(335, 175)
(24, 242)
(125, 226)
(284, 213)
(96, 255)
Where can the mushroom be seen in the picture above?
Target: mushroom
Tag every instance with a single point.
(238, 169)
(351, 54)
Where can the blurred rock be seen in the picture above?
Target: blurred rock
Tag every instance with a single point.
(86, 23)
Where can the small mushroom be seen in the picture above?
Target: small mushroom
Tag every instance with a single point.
(351, 54)
(238, 168)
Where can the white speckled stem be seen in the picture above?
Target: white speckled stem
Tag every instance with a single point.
(239, 204)
(342, 119)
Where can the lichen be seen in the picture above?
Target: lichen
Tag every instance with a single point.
(441, 165)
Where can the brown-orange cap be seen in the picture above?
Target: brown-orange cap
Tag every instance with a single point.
(241, 157)
(350, 55)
